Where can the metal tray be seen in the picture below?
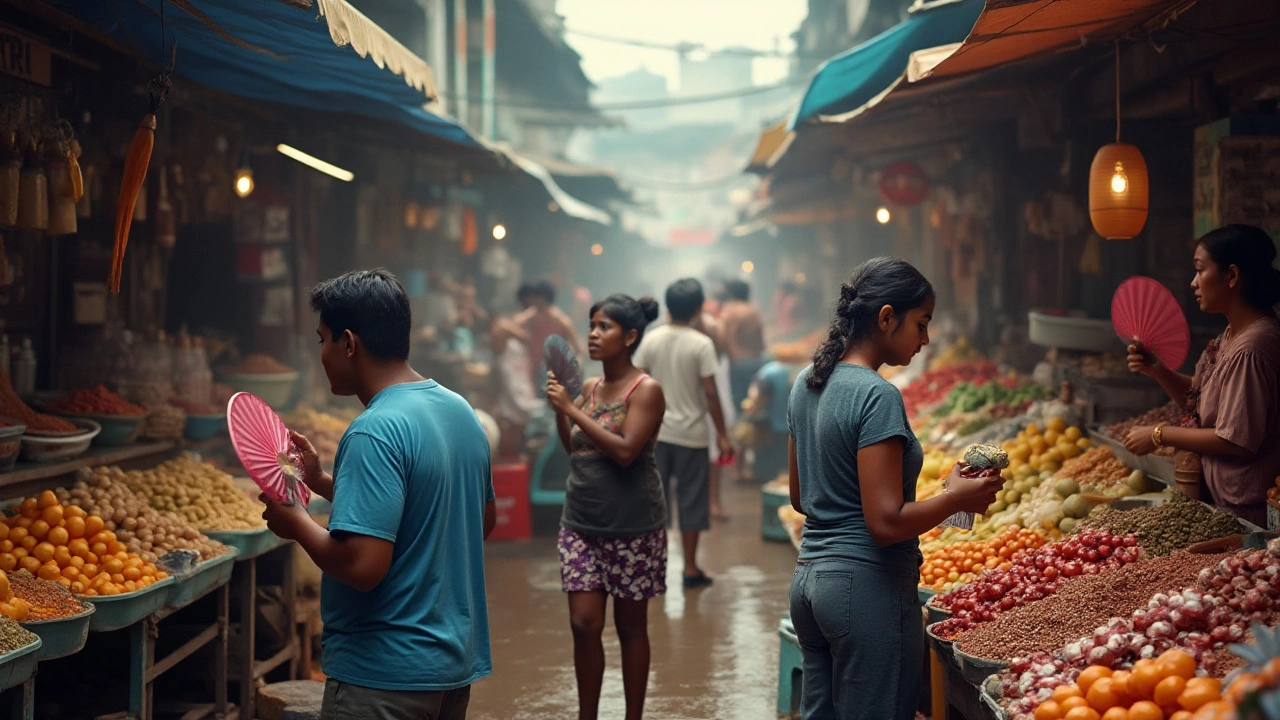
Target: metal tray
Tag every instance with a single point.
(1155, 467)
(120, 611)
(209, 574)
(18, 666)
(975, 669)
(248, 543)
(62, 636)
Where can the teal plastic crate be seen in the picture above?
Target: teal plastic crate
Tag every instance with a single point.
(248, 543)
(790, 669)
(120, 611)
(63, 636)
(18, 666)
(771, 527)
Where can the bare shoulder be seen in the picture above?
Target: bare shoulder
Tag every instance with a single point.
(648, 389)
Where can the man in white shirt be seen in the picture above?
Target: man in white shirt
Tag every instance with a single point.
(683, 360)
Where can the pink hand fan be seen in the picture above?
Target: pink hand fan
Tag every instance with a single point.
(262, 443)
(1144, 311)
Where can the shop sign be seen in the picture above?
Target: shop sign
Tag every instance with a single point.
(25, 57)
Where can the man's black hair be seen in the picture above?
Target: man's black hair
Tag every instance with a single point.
(373, 305)
(737, 290)
(537, 289)
(685, 299)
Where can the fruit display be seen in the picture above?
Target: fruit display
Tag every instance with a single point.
(1179, 523)
(197, 491)
(1013, 397)
(97, 400)
(957, 353)
(11, 606)
(45, 600)
(933, 386)
(1032, 574)
(937, 465)
(951, 564)
(12, 406)
(65, 544)
(1161, 688)
(1253, 694)
(322, 429)
(104, 491)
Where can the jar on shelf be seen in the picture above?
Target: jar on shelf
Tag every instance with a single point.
(33, 198)
(10, 179)
(62, 204)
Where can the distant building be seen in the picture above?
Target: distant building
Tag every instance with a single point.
(638, 86)
(833, 26)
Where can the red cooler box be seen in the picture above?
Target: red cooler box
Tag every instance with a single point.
(511, 487)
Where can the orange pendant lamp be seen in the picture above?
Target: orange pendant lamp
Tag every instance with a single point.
(1118, 189)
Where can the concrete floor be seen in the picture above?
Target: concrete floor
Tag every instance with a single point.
(715, 651)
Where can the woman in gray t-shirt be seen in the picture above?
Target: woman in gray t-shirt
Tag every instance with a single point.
(854, 462)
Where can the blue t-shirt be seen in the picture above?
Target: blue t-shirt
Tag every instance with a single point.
(856, 409)
(412, 469)
(775, 377)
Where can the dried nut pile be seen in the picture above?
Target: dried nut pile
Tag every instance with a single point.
(150, 533)
(1167, 414)
(1099, 468)
(323, 430)
(1081, 605)
(1175, 525)
(48, 600)
(13, 636)
(207, 497)
(165, 422)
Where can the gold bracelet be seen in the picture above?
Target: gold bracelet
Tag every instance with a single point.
(1157, 436)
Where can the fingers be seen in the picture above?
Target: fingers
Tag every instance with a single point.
(301, 442)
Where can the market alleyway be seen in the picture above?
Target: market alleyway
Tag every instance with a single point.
(715, 651)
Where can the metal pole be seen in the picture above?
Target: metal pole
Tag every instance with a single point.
(488, 75)
(460, 60)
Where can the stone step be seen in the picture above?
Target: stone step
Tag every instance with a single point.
(293, 700)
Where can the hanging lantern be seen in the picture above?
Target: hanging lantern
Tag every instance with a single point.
(1118, 189)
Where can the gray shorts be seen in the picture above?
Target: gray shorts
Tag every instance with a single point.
(344, 701)
(690, 467)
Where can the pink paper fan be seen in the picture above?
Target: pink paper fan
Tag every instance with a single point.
(262, 443)
(1144, 311)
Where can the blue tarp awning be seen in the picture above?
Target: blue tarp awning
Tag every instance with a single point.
(848, 81)
(290, 59)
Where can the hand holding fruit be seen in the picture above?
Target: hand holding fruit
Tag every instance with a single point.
(973, 492)
(1142, 362)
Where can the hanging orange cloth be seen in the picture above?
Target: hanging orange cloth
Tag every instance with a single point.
(470, 235)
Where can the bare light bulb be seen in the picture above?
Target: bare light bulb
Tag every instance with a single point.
(1119, 181)
(499, 231)
(244, 182)
(597, 249)
(883, 216)
(748, 267)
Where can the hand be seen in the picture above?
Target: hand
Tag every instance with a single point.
(283, 519)
(1141, 361)
(974, 494)
(726, 448)
(311, 470)
(1139, 440)
(557, 395)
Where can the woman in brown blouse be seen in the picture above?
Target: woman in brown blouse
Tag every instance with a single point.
(1232, 403)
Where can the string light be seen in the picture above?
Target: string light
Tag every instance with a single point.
(597, 249)
(883, 216)
(499, 231)
(748, 267)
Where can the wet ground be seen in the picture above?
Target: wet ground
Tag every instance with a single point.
(715, 650)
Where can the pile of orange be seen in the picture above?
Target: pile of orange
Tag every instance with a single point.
(63, 544)
(1165, 688)
(1246, 684)
(962, 562)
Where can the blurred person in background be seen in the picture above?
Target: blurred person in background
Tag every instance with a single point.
(683, 360)
(709, 325)
(541, 319)
(613, 539)
(513, 371)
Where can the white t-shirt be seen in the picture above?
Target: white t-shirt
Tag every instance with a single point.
(679, 358)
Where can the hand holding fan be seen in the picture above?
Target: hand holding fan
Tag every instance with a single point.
(1144, 311)
(560, 360)
(262, 443)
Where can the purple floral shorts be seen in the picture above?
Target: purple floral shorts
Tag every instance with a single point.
(633, 568)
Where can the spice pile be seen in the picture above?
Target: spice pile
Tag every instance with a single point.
(1099, 468)
(1175, 525)
(150, 533)
(207, 497)
(1167, 414)
(96, 400)
(11, 406)
(14, 637)
(47, 600)
(260, 365)
(12, 607)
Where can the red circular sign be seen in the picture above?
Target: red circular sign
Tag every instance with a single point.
(904, 183)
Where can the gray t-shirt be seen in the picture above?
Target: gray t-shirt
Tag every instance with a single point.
(856, 409)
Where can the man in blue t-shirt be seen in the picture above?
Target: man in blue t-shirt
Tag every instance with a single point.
(406, 628)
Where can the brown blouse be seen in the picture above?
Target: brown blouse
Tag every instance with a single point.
(1240, 399)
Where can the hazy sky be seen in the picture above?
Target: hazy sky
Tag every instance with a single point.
(714, 23)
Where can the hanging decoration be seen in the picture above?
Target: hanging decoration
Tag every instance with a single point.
(136, 162)
(1118, 189)
(904, 183)
(470, 234)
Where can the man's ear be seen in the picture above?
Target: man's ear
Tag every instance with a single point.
(349, 341)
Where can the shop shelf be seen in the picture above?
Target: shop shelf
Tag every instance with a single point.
(248, 543)
(18, 666)
(63, 636)
(120, 611)
(208, 575)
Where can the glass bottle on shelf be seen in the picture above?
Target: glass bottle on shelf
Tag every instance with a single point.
(24, 371)
(184, 379)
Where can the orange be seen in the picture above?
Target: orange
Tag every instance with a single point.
(16, 535)
(117, 578)
(1144, 678)
(1193, 697)
(1101, 696)
(77, 587)
(1048, 710)
(43, 552)
(1145, 710)
(4, 531)
(113, 566)
(31, 565)
(20, 552)
(1180, 715)
(1062, 692)
(52, 515)
(89, 570)
(1120, 686)
(1168, 690)
(70, 573)
(29, 542)
(77, 562)
(1210, 682)
(8, 562)
(24, 522)
(1091, 674)
(132, 573)
(116, 547)
(1177, 662)
(1072, 703)
(58, 536)
(1082, 713)
(99, 549)
(30, 508)
(74, 511)
(46, 499)
(1116, 713)
(62, 556)
(39, 529)
(79, 547)
(75, 526)
(49, 571)
(93, 525)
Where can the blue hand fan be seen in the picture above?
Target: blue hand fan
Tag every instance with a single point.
(560, 360)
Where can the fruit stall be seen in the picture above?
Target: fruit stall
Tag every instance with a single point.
(1089, 590)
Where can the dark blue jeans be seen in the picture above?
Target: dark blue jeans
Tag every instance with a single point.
(862, 638)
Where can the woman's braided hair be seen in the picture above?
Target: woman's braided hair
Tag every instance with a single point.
(875, 283)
